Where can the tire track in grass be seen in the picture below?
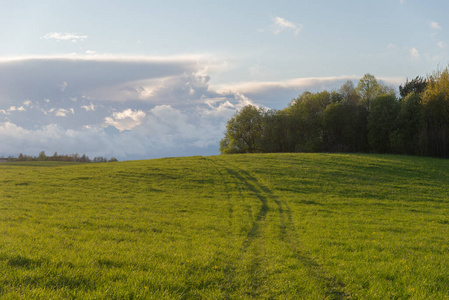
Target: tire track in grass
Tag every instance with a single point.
(231, 269)
(334, 289)
(254, 268)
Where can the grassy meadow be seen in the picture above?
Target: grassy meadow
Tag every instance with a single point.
(268, 226)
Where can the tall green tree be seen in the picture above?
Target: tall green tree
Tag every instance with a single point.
(306, 125)
(349, 94)
(417, 86)
(243, 132)
(369, 88)
(381, 122)
(435, 101)
(406, 138)
(274, 132)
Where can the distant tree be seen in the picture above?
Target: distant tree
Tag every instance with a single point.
(42, 156)
(113, 159)
(75, 157)
(84, 158)
(100, 159)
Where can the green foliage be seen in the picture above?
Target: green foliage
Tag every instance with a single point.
(369, 88)
(382, 122)
(243, 132)
(345, 127)
(63, 158)
(416, 86)
(435, 101)
(368, 118)
(405, 139)
(261, 226)
(307, 113)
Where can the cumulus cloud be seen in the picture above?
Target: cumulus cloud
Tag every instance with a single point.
(126, 120)
(127, 107)
(435, 25)
(281, 24)
(90, 107)
(414, 54)
(64, 36)
(61, 112)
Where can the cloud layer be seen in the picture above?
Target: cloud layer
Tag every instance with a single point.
(64, 36)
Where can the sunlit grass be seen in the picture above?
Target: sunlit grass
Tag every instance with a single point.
(282, 226)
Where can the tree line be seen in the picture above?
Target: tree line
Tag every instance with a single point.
(57, 157)
(369, 117)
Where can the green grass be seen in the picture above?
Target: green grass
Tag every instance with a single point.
(272, 226)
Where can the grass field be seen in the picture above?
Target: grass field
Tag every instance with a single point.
(272, 226)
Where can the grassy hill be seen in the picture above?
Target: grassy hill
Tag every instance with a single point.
(279, 226)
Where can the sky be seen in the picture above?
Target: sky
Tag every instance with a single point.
(147, 79)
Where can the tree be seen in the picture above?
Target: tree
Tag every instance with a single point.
(435, 102)
(243, 132)
(349, 93)
(405, 139)
(306, 124)
(369, 88)
(417, 86)
(274, 131)
(381, 122)
(42, 156)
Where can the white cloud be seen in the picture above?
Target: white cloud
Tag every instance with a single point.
(61, 112)
(283, 89)
(90, 107)
(64, 36)
(125, 120)
(441, 45)
(91, 52)
(414, 53)
(401, 1)
(435, 25)
(280, 24)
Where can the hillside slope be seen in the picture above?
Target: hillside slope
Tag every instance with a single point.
(289, 226)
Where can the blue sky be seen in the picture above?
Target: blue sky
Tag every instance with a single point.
(145, 79)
